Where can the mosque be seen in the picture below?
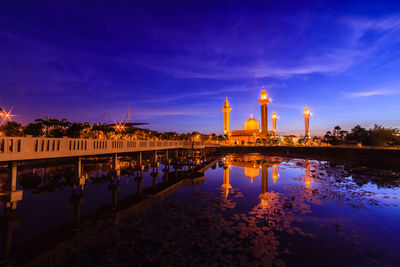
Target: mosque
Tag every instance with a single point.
(252, 131)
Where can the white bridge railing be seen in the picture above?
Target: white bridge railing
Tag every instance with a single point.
(28, 148)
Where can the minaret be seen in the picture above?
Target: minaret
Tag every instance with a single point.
(264, 184)
(307, 175)
(264, 101)
(274, 118)
(275, 173)
(264, 178)
(307, 116)
(226, 111)
(226, 185)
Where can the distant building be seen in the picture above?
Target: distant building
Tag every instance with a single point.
(252, 132)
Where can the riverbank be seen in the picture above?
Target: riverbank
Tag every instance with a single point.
(387, 159)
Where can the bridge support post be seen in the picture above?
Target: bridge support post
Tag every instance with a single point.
(115, 165)
(140, 158)
(166, 154)
(14, 195)
(139, 180)
(154, 175)
(78, 166)
(77, 200)
(176, 153)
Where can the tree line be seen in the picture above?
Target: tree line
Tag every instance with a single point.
(375, 136)
(49, 127)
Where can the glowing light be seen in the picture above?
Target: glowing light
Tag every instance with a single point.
(4, 115)
(274, 117)
(263, 95)
(275, 174)
(306, 111)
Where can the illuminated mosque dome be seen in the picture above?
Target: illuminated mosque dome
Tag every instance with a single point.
(251, 124)
(251, 172)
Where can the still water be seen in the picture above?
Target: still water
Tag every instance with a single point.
(246, 210)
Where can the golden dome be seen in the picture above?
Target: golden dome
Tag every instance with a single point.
(251, 124)
(251, 172)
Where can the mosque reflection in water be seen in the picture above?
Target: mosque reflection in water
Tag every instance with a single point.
(252, 166)
(256, 207)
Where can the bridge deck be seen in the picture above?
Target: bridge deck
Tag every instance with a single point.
(30, 148)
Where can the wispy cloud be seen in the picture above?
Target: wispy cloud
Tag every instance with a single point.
(264, 60)
(378, 92)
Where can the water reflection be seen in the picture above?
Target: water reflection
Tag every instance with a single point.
(253, 210)
(57, 194)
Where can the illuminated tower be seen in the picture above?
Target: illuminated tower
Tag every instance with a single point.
(264, 184)
(307, 116)
(264, 178)
(264, 101)
(307, 175)
(274, 118)
(275, 173)
(226, 111)
(226, 185)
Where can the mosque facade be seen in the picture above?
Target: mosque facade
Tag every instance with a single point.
(252, 131)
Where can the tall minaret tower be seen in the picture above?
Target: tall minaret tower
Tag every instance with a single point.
(264, 184)
(226, 111)
(226, 185)
(307, 116)
(274, 118)
(264, 101)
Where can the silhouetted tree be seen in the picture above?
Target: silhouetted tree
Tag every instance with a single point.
(74, 131)
(11, 128)
(381, 136)
(336, 137)
(34, 129)
(358, 134)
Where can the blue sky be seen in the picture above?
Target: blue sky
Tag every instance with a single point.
(172, 64)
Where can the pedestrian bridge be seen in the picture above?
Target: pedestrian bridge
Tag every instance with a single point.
(31, 148)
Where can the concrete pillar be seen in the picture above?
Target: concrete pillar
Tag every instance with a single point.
(77, 200)
(78, 167)
(154, 174)
(140, 158)
(14, 194)
(115, 162)
(139, 180)
(114, 188)
(166, 174)
(12, 175)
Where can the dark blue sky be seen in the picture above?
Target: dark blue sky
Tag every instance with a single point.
(173, 64)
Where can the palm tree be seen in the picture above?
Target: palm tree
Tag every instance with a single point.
(64, 124)
(46, 123)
